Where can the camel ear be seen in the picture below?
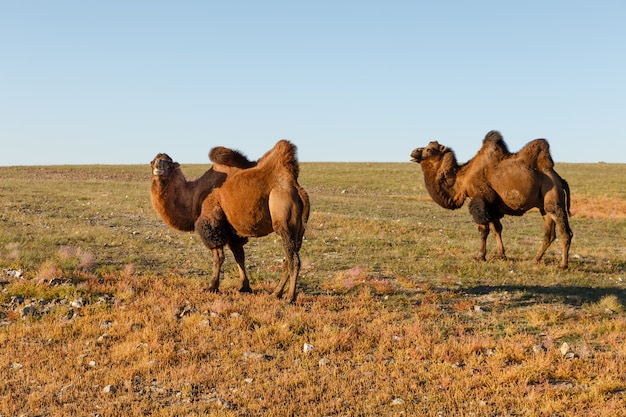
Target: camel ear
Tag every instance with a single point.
(442, 148)
(176, 165)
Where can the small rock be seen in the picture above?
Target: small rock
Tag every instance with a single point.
(565, 349)
(102, 338)
(16, 299)
(248, 380)
(15, 273)
(537, 349)
(234, 315)
(29, 311)
(252, 356)
(225, 404)
(78, 303)
(397, 401)
(307, 347)
(16, 365)
(323, 362)
(110, 389)
(92, 364)
(55, 282)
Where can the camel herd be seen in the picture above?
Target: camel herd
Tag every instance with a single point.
(237, 198)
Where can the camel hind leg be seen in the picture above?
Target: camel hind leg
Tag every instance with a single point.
(289, 211)
(291, 268)
(551, 222)
(549, 235)
(555, 209)
(566, 238)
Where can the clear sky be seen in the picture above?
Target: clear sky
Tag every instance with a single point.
(116, 82)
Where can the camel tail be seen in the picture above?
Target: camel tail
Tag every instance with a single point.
(229, 157)
(306, 205)
(568, 199)
(283, 153)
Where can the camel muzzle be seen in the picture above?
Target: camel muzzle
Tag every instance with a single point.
(416, 156)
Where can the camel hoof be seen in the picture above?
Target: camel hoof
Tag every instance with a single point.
(245, 289)
(480, 258)
(499, 256)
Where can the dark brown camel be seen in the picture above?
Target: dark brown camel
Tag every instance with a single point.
(499, 183)
(244, 200)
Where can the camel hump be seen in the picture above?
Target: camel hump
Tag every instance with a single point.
(536, 154)
(284, 154)
(495, 142)
(230, 157)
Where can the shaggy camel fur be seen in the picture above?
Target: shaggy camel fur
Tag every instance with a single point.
(244, 200)
(499, 183)
(179, 201)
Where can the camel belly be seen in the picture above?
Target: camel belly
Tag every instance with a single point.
(248, 213)
(252, 227)
(515, 201)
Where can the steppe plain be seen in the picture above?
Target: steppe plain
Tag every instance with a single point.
(103, 308)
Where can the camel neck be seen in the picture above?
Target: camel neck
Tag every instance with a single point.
(443, 182)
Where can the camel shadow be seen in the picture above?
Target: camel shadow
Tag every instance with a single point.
(532, 294)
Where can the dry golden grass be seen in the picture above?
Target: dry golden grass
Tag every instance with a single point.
(599, 207)
(109, 315)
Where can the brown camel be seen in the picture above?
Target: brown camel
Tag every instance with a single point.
(499, 183)
(244, 200)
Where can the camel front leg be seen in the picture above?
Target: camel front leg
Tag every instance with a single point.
(496, 228)
(483, 229)
(218, 260)
(240, 257)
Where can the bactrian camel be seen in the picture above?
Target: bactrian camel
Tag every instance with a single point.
(234, 200)
(497, 183)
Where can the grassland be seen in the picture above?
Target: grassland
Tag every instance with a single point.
(103, 310)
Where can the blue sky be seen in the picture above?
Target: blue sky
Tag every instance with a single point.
(115, 82)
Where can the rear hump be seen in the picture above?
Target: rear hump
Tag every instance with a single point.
(283, 153)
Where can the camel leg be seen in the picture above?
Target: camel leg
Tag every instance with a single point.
(291, 269)
(295, 270)
(240, 257)
(566, 236)
(218, 260)
(278, 291)
(548, 235)
(210, 228)
(483, 229)
(496, 228)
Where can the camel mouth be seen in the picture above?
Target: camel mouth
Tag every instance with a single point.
(157, 171)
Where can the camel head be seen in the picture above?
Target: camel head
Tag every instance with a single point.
(433, 150)
(162, 165)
